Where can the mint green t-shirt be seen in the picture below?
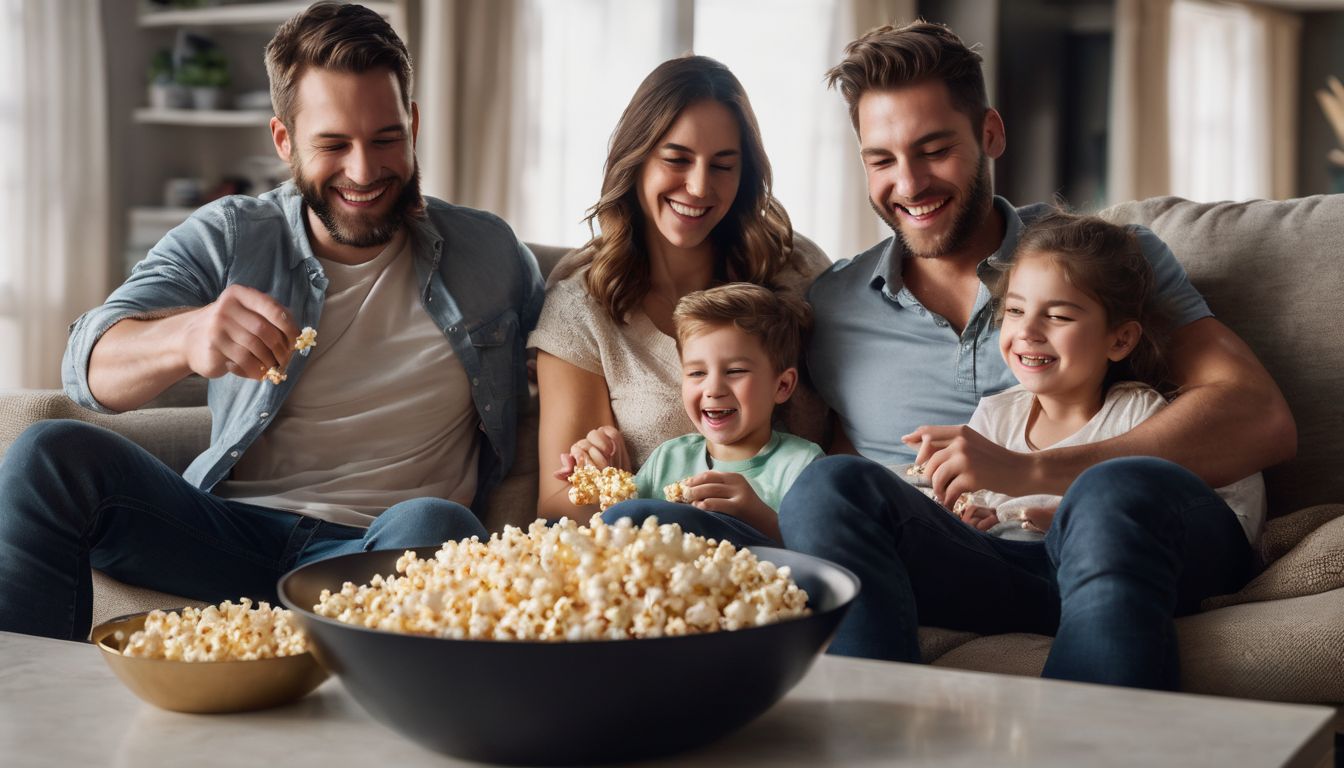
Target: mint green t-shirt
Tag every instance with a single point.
(770, 473)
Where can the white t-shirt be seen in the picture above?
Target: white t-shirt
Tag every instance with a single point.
(382, 413)
(1003, 419)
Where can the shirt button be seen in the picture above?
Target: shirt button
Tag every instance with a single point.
(233, 454)
(475, 382)
(487, 407)
(263, 415)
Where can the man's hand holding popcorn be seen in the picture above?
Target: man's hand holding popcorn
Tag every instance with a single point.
(244, 332)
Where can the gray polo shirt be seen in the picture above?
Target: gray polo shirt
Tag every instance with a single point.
(886, 364)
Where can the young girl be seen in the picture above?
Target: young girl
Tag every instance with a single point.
(1080, 332)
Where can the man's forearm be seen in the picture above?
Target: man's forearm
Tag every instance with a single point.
(136, 360)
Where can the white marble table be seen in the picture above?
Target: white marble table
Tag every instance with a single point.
(61, 706)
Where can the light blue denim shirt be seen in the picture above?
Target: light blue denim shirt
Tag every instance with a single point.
(479, 284)
(886, 364)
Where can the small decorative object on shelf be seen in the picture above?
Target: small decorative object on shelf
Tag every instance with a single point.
(206, 73)
(164, 90)
(1332, 104)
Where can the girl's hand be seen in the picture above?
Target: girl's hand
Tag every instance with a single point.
(978, 517)
(1038, 519)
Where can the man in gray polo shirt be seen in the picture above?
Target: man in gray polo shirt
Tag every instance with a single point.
(904, 337)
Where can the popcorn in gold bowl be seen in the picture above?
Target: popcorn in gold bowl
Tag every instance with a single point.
(226, 658)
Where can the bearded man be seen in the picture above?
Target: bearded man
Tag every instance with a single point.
(385, 435)
(905, 343)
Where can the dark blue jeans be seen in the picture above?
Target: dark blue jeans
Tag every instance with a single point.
(75, 496)
(711, 525)
(1135, 542)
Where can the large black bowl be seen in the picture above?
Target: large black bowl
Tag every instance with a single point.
(567, 702)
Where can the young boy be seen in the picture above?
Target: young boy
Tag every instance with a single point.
(739, 354)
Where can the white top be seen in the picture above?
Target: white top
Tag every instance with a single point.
(638, 361)
(382, 414)
(1003, 419)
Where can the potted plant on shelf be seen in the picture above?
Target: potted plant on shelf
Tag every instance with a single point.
(206, 73)
(164, 90)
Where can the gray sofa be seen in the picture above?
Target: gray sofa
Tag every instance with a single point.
(1270, 270)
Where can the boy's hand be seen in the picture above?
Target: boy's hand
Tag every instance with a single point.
(602, 447)
(729, 493)
(726, 492)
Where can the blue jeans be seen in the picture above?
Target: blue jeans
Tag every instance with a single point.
(1135, 542)
(75, 496)
(711, 525)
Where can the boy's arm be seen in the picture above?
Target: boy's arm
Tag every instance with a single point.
(1229, 421)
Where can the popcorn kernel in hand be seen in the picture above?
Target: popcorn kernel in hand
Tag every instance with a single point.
(678, 492)
(306, 340)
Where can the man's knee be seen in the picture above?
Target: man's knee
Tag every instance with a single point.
(1135, 488)
(423, 522)
(835, 488)
(50, 443)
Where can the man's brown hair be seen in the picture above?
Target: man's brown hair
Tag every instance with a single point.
(342, 37)
(890, 57)
(777, 320)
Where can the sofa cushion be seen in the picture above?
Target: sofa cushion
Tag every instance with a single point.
(1015, 653)
(1272, 272)
(1281, 650)
(1315, 565)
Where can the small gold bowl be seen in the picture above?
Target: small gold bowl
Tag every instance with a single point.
(206, 686)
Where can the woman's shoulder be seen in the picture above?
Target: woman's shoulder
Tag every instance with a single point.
(808, 261)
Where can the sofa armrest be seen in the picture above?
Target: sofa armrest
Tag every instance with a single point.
(174, 435)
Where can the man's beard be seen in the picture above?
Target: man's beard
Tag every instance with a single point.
(968, 219)
(361, 230)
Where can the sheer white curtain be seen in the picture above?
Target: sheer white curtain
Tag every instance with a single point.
(1232, 98)
(1203, 101)
(53, 184)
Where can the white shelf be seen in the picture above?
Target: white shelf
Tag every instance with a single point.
(219, 118)
(240, 14)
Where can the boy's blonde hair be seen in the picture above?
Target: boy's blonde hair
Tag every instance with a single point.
(777, 320)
